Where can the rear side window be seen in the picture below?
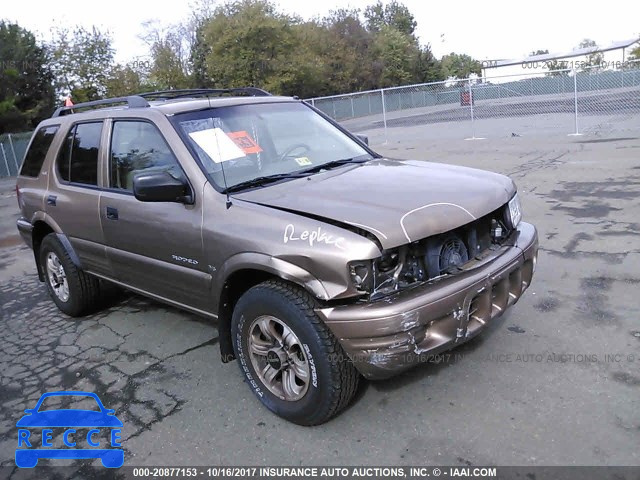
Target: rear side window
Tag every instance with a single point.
(78, 158)
(138, 147)
(38, 151)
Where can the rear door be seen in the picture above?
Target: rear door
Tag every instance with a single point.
(73, 197)
(155, 247)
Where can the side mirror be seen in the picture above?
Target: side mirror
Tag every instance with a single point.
(363, 138)
(160, 187)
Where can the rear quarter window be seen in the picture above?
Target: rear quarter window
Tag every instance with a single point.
(37, 152)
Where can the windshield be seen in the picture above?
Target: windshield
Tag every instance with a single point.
(246, 143)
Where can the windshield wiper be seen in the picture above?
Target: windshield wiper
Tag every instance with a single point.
(335, 163)
(254, 182)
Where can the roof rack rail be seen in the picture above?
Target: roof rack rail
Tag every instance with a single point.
(132, 101)
(199, 92)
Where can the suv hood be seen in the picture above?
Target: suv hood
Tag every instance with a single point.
(397, 201)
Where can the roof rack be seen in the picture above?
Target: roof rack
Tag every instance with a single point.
(200, 92)
(139, 100)
(132, 101)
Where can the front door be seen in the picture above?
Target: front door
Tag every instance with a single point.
(155, 247)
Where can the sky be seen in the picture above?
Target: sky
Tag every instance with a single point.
(483, 29)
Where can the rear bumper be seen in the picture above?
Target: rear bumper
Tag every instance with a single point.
(385, 337)
(26, 230)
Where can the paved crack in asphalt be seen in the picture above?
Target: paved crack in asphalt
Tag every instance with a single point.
(44, 350)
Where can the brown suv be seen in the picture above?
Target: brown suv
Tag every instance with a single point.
(320, 260)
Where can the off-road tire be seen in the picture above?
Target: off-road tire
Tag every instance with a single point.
(336, 379)
(84, 289)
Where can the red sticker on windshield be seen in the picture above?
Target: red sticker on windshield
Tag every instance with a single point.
(244, 141)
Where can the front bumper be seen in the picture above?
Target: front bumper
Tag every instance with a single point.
(392, 334)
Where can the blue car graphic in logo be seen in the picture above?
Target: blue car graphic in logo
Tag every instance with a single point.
(66, 423)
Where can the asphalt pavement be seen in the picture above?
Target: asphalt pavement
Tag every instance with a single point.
(555, 381)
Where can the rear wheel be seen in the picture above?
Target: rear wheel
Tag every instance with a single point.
(74, 292)
(291, 360)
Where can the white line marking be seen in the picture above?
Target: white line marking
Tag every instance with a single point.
(368, 228)
(427, 206)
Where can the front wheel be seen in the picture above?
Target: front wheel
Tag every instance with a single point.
(290, 359)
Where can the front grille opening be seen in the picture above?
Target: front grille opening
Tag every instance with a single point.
(447, 252)
(439, 255)
(479, 310)
(527, 274)
(515, 286)
(499, 297)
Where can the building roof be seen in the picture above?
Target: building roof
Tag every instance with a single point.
(578, 52)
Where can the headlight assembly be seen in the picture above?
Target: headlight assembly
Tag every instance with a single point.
(382, 273)
(514, 211)
(361, 275)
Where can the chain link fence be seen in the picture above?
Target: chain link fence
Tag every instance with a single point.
(12, 149)
(591, 100)
(567, 101)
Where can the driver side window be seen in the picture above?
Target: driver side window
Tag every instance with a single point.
(138, 147)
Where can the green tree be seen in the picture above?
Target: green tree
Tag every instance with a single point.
(170, 49)
(427, 67)
(81, 60)
(596, 58)
(393, 14)
(460, 66)
(129, 79)
(198, 55)
(634, 54)
(26, 94)
(250, 43)
(347, 49)
(397, 54)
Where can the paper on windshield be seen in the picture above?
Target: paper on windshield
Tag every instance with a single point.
(217, 145)
(245, 142)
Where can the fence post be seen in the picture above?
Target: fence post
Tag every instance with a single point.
(13, 150)
(313, 102)
(5, 159)
(575, 101)
(473, 128)
(353, 113)
(384, 115)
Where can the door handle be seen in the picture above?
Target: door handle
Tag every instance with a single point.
(51, 200)
(112, 213)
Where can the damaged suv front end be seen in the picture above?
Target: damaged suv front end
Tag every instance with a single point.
(434, 294)
(453, 255)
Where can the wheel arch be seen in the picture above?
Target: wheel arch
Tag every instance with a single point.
(247, 270)
(42, 228)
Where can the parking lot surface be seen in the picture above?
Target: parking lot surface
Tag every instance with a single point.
(556, 381)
